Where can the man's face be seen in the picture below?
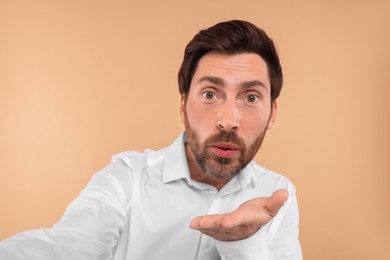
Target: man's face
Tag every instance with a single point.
(227, 112)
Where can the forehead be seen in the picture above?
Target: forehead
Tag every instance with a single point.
(232, 68)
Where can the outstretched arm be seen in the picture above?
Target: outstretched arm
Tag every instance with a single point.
(244, 221)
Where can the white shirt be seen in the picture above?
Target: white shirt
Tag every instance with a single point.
(139, 208)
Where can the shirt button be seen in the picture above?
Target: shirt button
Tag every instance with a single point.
(228, 257)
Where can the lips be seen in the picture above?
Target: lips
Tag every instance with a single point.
(225, 150)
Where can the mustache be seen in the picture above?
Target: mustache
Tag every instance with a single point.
(228, 137)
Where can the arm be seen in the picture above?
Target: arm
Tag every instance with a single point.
(89, 228)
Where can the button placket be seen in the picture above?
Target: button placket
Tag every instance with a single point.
(207, 249)
(207, 244)
(216, 206)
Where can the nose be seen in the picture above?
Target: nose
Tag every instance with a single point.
(229, 117)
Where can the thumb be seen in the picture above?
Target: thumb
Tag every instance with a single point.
(276, 201)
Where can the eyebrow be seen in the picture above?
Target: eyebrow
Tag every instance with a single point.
(214, 80)
(220, 82)
(252, 83)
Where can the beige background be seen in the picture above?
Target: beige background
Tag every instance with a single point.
(83, 80)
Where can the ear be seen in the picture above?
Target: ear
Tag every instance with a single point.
(272, 117)
(182, 107)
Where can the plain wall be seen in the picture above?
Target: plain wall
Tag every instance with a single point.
(83, 80)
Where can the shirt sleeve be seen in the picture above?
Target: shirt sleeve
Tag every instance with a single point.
(89, 228)
(277, 240)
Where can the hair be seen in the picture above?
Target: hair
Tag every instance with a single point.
(231, 37)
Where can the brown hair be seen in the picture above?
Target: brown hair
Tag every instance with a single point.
(231, 37)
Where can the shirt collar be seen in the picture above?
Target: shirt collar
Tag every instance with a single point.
(240, 181)
(175, 163)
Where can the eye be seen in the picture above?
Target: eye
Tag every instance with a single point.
(208, 95)
(252, 98)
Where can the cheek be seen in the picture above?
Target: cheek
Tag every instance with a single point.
(200, 120)
(203, 122)
(253, 126)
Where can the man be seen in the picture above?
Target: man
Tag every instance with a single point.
(151, 205)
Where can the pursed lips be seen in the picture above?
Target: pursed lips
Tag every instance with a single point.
(225, 150)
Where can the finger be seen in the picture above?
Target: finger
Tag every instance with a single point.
(211, 221)
(233, 219)
(276, 201)
(247, 218)
(195, 223)
(206, 222)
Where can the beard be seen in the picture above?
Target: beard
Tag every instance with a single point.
(214, 165)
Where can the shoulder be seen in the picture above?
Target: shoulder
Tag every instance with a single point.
(268, 180)
(119, 176)
(135, 163)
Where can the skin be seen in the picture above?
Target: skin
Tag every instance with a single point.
(229, 94)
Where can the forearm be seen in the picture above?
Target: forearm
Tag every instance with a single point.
(49, 244)
(89, 229)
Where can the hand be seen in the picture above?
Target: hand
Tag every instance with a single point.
(244, 221)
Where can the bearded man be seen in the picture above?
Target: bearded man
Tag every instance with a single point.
(202, 197)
